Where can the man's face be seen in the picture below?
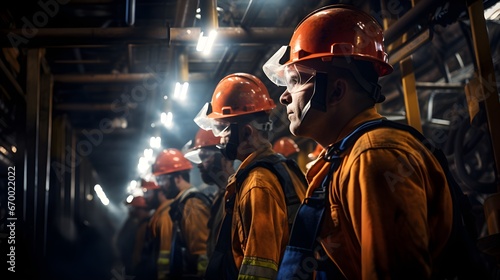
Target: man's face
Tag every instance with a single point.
(151, 197)
(167, 183)
(300, 87)
(210, 166)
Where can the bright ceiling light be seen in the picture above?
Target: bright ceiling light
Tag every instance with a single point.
(101, 195)
(155, 142)
(180, 91)
(167, 119)
(143, 165)
(209, 23)
(148, 154)
(206, 41)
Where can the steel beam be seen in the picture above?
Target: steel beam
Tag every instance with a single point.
(54, 37)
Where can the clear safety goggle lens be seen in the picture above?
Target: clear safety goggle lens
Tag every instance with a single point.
(199, 155)
(273, 69)
(221, 128)
(162, 179)
(206, 154)
(201, 118)
(297, 76)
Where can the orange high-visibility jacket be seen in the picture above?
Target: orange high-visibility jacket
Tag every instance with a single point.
(389, 212)
(260, 230)
(194, 229)
(161, 228)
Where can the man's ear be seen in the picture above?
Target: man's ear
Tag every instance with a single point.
(177, 178)
(247, 130)
(338, 91)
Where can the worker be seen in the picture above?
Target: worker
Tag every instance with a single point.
(312, 156)
(130, 238)
(189, 212)
(286, 146)
(255, 227)
(215, 170)
(158, 237)
(387, 206)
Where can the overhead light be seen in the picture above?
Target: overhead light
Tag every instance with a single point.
(131, 186)
(206, 41)
(167, 119)
(209, 24)
(119, 123)
(155, 142)
(180, 91)
(148, 154)
(101, 195)
(143, 165)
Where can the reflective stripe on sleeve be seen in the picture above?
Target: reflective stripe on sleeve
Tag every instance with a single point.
(257, 268)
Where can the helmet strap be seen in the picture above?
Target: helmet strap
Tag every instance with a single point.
(318, 97)
(373, 89)
(267, 126)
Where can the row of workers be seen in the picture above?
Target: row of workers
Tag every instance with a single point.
(377, 207)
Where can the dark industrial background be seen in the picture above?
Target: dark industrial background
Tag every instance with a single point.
(83, 84)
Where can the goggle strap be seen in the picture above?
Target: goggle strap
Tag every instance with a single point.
(267, 126)
(373, 88)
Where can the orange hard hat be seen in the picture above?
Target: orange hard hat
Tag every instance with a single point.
(285, 146)
(169, 161)
(314, 154)
(205, 138)
(139, 202)
(239, 94)
(149, 185)
(340, 31)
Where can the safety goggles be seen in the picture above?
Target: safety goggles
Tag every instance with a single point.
(222, 128)
(293, 76)
(200, 155)
(218, 127)
(163, 179)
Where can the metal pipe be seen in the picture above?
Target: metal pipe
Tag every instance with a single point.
(84, 107)
(104, 78)
(182, 67)
(235, 35)
(50, 37)
(428, 85)
(81, 36)
(398, 28)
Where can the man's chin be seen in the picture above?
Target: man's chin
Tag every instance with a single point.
(296, 129)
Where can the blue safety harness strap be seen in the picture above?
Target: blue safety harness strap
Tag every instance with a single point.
(299, 260)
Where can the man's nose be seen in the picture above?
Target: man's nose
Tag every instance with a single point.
(286, 98)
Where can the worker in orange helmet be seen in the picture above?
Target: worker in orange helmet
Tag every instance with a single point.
(260, 200)
(130, 238)
(214, 169)
(156, 250)
(189, 211)
(387, 208)
(286, 146)
(312, 156)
